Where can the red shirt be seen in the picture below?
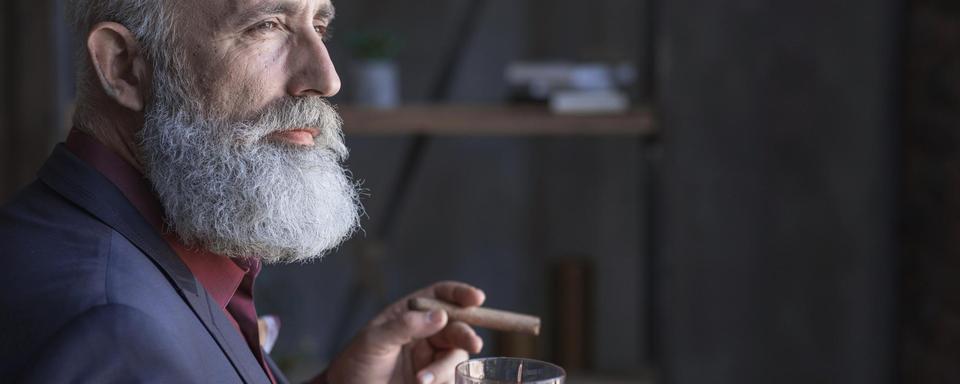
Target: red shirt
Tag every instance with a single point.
(229, 281)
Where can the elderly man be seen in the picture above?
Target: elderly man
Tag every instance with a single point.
(203, 147)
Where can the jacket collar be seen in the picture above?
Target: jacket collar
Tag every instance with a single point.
(91, 191)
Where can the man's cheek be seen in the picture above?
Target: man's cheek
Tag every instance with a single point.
(248, 79)
(264, 83)
(246, 98)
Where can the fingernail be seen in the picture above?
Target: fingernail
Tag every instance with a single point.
(434, 316)
(426, 378)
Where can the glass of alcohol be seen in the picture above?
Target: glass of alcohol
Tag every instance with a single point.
(508, 370)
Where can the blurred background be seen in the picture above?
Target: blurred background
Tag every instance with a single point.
(687, 191)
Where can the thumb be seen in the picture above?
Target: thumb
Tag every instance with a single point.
(404, 329)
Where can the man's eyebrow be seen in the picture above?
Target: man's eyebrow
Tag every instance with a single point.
(325, 13)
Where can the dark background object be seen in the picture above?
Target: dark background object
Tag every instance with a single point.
(931, 195)
(780, 125)
(36, 87)
(571, 317)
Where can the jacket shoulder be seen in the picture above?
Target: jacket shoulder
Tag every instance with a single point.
(61, 253)
(39, 220)
(50, 244)
(118, 343)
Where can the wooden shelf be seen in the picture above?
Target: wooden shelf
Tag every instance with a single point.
(591, 379)
(494, 120)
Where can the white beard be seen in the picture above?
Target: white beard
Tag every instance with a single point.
(226, 187)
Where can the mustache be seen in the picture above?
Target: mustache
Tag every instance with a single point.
(298, 113)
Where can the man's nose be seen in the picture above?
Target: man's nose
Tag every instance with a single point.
(313, 71)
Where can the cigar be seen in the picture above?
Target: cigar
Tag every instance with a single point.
(481, 317)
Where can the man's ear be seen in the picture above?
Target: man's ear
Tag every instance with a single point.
(119, 63)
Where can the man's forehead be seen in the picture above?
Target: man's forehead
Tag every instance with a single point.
(234, 8)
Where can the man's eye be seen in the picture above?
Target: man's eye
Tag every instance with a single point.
(324, 31)
(266, 26)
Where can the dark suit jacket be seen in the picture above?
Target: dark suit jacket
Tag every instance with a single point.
(90, 292)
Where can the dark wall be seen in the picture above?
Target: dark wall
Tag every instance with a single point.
(6, 37)
(568, 29)
(931, 195)
(32, 95)
(780, 120)
(509, 30)
(426, 30)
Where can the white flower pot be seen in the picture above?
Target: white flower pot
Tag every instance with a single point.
(376, 83)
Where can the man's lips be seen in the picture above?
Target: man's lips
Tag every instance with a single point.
(299, 136)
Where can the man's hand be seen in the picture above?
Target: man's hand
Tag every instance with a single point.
(404, 346)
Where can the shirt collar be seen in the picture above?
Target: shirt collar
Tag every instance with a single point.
(219, 275)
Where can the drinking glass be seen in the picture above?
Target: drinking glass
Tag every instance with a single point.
(508, 370)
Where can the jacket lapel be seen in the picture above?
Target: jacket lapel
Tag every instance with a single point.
(90, 190)
(277, 373)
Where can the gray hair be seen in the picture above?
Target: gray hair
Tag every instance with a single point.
(150, 21)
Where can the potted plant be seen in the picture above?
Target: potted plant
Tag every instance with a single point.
(376, 80)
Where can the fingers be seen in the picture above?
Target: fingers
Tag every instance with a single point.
(459, 293)
(404, 329)
(421, 355)
(442, 369)
(457, 335)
